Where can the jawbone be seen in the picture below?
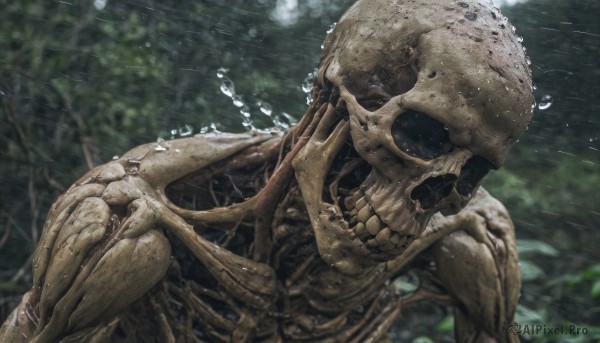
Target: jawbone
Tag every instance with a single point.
(362, 237)
(388, 221)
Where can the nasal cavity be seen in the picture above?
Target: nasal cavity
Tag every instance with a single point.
(433, 190)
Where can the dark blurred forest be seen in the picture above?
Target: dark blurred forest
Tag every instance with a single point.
(82, 81)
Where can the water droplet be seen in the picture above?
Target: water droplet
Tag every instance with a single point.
(245, 111)
(148, 44)
(252, 32)
(186, 130)
(227, 86)
(161, 144)
(2, 93)
(520, 39)
(265, 107)
(289, 118)
(331, 27)
(545, 102)
(116, 157)
(237, 100)
(222, 72)
(307, 84)
(280, 124)
(248, 124)
(99, 4)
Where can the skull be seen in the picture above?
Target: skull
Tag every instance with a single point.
(435, 94)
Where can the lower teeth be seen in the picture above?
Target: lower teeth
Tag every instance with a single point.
(369, 227)
(397, 239)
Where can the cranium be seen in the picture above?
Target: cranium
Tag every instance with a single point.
(432, 95)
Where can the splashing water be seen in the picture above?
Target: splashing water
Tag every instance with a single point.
(331, 27)
(161, 145)
(289, 118)
(281, 121)
(545, 102)
(237, 100)
(307, 85)
(210, 128)
(248, 123)
(186, 130)
(182, 131)
(245, 111)
(264, 107)
(280, 124)
(227, 86)
(284, 121)
(221, 72)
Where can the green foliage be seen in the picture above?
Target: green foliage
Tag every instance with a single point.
(589, 277)
(569, 187)
(529, 248)
(446, 324)
(532, 254)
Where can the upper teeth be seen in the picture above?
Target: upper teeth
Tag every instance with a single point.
(373, 225)
(370, 229)
(365, 213)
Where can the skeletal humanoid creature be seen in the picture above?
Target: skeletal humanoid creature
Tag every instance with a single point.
(268, 237)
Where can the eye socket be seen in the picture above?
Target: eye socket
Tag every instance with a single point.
(375, 88)
(472, 173)
(421, 136)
